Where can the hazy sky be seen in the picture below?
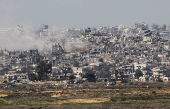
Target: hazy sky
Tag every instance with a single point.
(82, 13)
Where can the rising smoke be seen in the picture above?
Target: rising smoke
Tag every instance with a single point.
(26, 41)
(29, 39)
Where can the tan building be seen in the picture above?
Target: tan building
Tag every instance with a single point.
(44, 30)
(18, 31)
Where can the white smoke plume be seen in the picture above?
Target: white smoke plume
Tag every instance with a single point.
(28, 40)
(68, 39)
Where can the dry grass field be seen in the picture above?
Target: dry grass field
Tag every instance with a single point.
(119, 96)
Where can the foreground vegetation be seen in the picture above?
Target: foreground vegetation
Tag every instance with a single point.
(119, 94)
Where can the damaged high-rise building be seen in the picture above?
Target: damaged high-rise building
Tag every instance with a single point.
(44, 30)
(18, 31)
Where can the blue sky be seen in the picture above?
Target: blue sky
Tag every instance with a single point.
(82, 13)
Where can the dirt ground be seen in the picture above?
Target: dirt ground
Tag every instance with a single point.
(145, 96)
(119, 106)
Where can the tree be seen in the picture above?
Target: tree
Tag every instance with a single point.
(101, 60)
(71, 77)
(121, 76)
(32, 77)
(138, 73)
(76, 64)
(159, 80)
(116, 73)
(90, 77)
(104, 71)
(43, 69)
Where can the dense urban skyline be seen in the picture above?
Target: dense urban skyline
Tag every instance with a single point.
(84, 54)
